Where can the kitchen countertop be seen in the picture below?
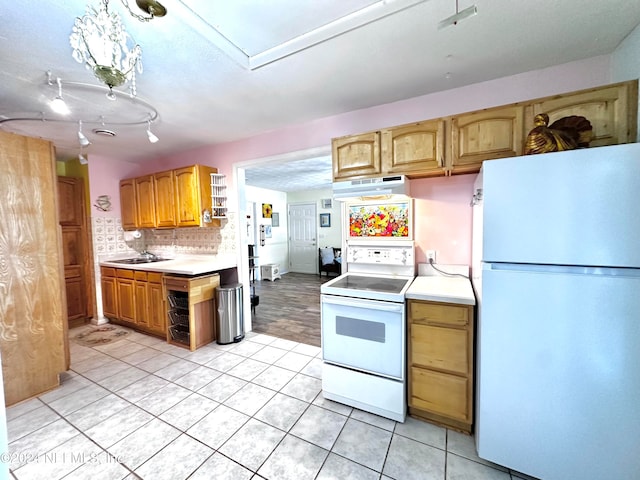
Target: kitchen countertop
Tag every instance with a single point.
(181, 265)
(435, 287)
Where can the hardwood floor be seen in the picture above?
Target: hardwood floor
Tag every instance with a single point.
(290, 307)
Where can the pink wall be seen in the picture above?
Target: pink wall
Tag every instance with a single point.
(442, 215)
(539, 83)
(442, 218)
(104, 179)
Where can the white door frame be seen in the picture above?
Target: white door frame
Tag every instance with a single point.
(241, 237)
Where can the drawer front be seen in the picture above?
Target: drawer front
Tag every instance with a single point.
(440, 393)
(440, 347)
(438, 313)
(123, 273)
(178, 284)
(154, 277)
(107, 271)
(140, 275)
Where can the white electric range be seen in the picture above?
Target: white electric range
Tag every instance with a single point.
(364, 327)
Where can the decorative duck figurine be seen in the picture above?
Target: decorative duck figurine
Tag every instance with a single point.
(566, 133)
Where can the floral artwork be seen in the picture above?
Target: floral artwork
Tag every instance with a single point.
(386, 220)
(266, 210)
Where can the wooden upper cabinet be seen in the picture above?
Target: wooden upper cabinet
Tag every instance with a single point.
(485, 135)
(460, 143)
(188, 211)
(128, 204)
(193, 195)
(164, 194)
(356, 156)
(612, 111)
(174, 198)
(145, 200)
(416, 149)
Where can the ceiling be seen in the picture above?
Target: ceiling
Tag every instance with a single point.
(217, 71)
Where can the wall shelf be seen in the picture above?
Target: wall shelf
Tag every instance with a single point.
(218, 196)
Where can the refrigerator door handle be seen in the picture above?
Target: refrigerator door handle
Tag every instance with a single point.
(564, 269)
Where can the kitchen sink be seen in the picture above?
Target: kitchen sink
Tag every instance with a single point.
(137, 260)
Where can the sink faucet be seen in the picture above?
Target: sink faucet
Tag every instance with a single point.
(148, 255)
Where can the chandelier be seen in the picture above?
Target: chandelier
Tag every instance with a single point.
(101, 42)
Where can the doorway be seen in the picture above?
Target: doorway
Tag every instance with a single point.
(248, 235)
(302, 238)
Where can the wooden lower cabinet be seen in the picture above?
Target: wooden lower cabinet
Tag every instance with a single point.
(141, 299)
(125, 286)
(134, 298)
(440, 394)
(157, 304)
(108, 285)
(191, 309)
(440, 363)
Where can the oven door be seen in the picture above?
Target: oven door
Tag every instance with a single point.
(366, 335)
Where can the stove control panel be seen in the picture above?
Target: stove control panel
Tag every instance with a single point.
(381, 255)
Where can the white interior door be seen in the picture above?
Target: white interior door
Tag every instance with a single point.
(303, 247)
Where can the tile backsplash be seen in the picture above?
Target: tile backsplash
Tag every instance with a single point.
(109, 239)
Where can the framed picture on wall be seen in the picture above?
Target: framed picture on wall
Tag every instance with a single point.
(266, 210)
(275, 219)
(325, 219)
(326, 203)
(393, 219)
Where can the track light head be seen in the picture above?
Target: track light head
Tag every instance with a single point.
(84, 141)
(152, 137)
(58, 104)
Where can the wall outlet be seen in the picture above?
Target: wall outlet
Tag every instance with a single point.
(431, 256)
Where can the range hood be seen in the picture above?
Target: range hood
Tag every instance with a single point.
(372, 188)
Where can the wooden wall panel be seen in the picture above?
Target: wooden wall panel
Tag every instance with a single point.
(33, 337)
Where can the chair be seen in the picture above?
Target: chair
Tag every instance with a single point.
(329, 260)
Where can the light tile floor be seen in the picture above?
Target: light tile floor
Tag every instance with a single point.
(140, 408)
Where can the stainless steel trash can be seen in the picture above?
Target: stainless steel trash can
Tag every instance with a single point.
(230, 316)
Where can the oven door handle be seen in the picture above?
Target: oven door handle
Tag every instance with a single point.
(360, 302)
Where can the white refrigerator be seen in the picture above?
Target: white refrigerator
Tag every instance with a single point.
(558, 362)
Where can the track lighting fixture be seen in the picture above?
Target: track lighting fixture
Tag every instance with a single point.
(88, 110)
(459, 16)
(84, 141)
(152, 137)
